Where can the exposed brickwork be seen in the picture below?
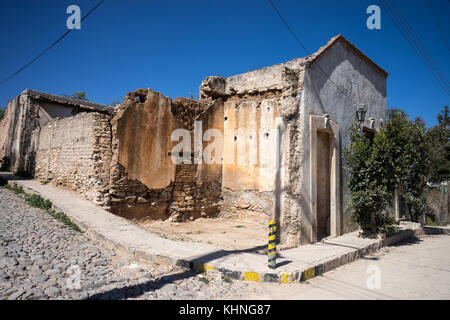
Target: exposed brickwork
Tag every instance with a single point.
(183, 196)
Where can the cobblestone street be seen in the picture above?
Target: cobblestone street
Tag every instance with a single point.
(41, 258)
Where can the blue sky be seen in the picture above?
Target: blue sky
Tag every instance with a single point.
(170, 46)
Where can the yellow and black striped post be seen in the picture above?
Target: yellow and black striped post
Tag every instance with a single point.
(272, 249)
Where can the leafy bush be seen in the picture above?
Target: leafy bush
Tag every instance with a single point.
(438, 138)
(397, 157)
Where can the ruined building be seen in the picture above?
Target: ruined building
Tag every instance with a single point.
(157, 158)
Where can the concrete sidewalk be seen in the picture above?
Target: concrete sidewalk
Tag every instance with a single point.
(297, 264)
(436, 229)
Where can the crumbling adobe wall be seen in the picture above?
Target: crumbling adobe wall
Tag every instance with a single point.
(75, 153)
(142, 174)
(187, 193)
(255, 104)
(145, 182)
(209, 170)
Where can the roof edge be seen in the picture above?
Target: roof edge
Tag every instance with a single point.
(312, 58)
(44, 96)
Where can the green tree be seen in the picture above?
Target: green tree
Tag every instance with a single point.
(80, 96)
(443, 117)
(438, 139)
(397, 157)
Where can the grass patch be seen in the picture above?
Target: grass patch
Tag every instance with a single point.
(239, 226)
(36, 201)
(204, 280)
(61, 216)
(15, 188)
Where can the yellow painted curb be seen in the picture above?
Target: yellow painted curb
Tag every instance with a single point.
(252, 276)
(204, 267)
(309, 273)
(286, 278)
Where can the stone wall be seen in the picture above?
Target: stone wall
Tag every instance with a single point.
(75, 153)
(145, 181)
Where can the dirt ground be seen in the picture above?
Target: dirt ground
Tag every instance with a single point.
(236, 233)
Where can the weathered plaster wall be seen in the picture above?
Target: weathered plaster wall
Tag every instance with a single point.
(142, 173)
(145, 181)
(255, 104)
(6, 134)
(251, 106)
(357, 79)
(249, 144)
(24, 115)
(55, 110)
(75, 153)
(20, 120)
(144, 133)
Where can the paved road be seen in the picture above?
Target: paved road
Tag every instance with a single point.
(42, 259)
(418, 269)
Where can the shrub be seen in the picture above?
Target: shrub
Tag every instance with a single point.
(397, 157)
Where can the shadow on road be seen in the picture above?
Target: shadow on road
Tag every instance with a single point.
(134, 291)
(408, 242)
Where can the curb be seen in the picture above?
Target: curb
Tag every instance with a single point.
(312, 271)
(436, 230)
(316, 269)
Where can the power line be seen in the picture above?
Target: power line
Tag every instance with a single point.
(414, 41)
(289, 28)
(436, 20)
(51, 46)
(424, 48)
(307, 52)
(409, 37)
